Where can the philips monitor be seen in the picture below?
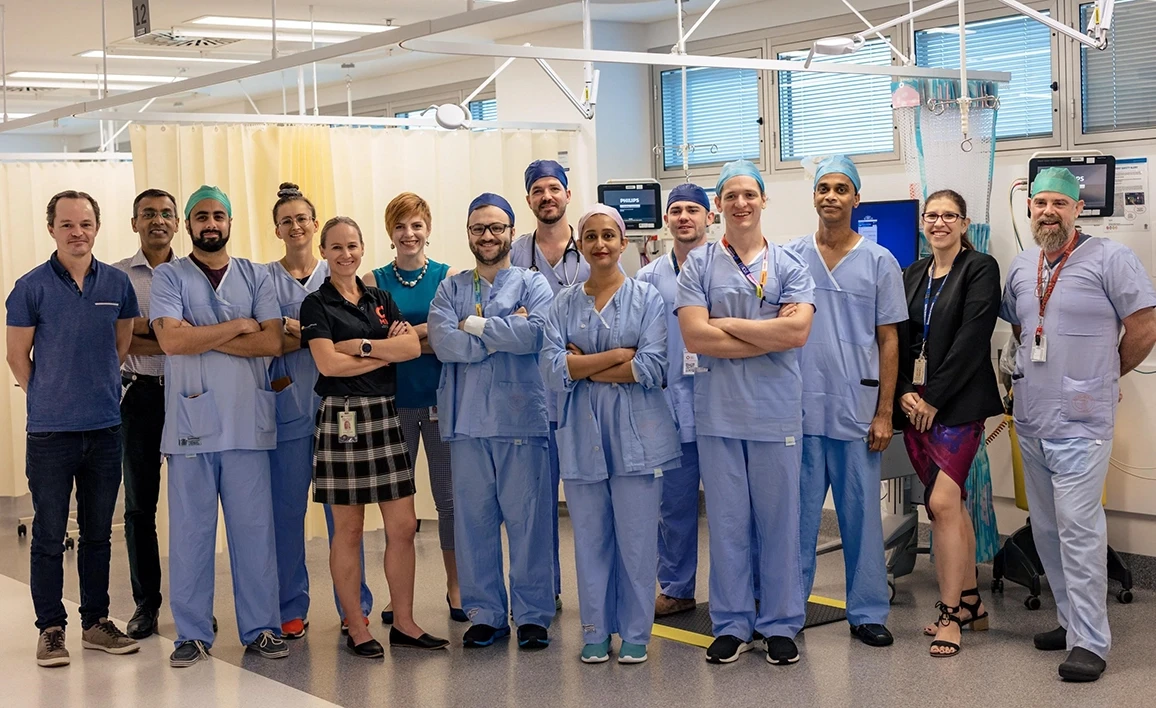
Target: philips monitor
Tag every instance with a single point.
(1097, 176)
(638, 203)
(893, 225)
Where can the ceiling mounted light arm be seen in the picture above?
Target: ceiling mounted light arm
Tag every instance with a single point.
(689, 32)
(586, 109)
(125, 127)
(489, 80)
(1098, 25)
(860, 38)
(906, 61)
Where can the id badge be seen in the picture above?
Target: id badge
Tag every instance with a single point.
(433, 414)
(919, 375)
(689, 363)
(347, 427)
(1040, 349)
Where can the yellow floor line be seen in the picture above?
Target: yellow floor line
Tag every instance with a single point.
(704, 640)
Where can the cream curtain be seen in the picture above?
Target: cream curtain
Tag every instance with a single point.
(350, 172)
(25, 189)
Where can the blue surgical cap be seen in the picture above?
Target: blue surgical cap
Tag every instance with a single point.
(839, 165)
(489, 199)
(207, 192)
(688, 193)
(544, 168)
(739, 168)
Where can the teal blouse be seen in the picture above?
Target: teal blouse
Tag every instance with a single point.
(417, 380)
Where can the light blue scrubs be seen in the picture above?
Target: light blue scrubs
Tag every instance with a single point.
(614, 442)
(840, 365)
(492, 410)
(220, 425)
(678, 521)
(748, 417)
(1065, 413)
(292, 460)
(572, 268)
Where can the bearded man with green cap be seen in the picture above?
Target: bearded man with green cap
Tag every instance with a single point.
(1067, 300)
(218, 321)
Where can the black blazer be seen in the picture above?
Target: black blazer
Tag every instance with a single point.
(961, 380)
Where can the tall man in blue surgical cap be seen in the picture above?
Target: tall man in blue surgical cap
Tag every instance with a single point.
(849, 365)
(1067, 300)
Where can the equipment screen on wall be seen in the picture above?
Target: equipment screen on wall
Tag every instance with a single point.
(1097, 175)
(637, 202)
(893, 225)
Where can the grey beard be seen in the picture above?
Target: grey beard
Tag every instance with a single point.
(1050, 241)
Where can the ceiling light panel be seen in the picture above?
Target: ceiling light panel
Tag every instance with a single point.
(263, 23)
(97, 54)
(257, 34)
(79, 76)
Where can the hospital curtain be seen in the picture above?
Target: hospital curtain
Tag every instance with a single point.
(25, 189)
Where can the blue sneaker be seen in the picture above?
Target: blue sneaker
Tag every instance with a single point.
(596, 653)
(630, 653)
(483, 635)
(533, 636)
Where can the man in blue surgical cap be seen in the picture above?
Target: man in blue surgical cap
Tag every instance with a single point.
(849, 367)
(486, 325)
(688, 214)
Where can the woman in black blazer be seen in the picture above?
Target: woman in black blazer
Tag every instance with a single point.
(946, 390)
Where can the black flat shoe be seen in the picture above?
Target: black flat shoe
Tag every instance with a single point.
(1055, 640)
(874, 635)
(143, 622)
(371, 649)
(1082, 666)
(457, 614)
(425, 641)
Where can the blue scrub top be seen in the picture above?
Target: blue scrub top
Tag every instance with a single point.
(571, 269)
(607, 429)
(840, 361)
(758, 398)
(490, 385)
(417, 380)
(216, 402)
(1074, 393)
(297, 404)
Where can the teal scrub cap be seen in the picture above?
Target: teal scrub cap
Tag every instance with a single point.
(207, 192)
(739, 168)
(1057, 179)
(839, 165)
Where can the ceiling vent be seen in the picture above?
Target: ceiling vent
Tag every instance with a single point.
(163, 38)
(31, 89)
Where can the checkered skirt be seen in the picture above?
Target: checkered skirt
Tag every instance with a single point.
(375, 468)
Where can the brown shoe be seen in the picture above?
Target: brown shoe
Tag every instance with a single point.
(105, 637)
(664, 605)
(50, 649)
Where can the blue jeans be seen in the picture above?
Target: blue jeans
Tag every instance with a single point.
(53, 461)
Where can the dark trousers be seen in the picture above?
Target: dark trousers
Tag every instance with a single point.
(53, 461)
(142, 411)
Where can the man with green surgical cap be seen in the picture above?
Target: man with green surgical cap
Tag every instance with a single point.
(1066, 300)
(218, 320)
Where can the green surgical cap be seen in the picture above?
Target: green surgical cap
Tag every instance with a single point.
(207, 192)
(1057, 179)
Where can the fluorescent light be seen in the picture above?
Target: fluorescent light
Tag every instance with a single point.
(261, 35)
(18, 116)
(86, 86)
(79, 76)
(263, 23)
(97, 54)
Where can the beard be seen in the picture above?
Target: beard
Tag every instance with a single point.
(549, 221)
(203, 244)
(503, 251)
(687, 237)
(1049, 238)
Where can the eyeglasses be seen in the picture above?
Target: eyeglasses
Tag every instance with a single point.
(300, 220)
(948, 217)
(150, 214)
(495, 229)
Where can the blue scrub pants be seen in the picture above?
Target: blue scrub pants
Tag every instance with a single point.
(366, 595)
(678, 527)
(1064, 480)
(555, 482)
(240, 479)
(291, 473)
(615, 547)
(496, 482)
(852, 473)
(749, 481)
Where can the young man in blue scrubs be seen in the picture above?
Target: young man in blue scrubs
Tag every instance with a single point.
(69, 328)
(745, 306)
(849, 366)
(688, 213)
(218, 320)
(485, 325)
(1067, 300)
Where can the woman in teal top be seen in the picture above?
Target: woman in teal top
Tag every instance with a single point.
(412, 280)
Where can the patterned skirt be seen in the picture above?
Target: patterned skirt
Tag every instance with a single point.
(947, 449)
(374, 467)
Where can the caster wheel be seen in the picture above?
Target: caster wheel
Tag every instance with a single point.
(997, 585)
(1032, 603)
(891, 591)
(21, 531)
(69, 543)
(1124, 596)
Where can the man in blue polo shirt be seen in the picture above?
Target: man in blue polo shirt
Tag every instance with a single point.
(69, 328)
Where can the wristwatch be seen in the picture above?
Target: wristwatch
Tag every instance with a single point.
(366, 347)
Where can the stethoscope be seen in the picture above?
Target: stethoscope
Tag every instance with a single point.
(571, 247)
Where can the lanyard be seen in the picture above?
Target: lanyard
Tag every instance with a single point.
(477, 293)
(1045, 294)
(929, 304)
(747, 271)
(674, 262)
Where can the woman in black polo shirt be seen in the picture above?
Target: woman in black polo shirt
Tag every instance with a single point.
(354, 333)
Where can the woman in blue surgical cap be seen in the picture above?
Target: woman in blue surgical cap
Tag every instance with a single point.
(605, 350)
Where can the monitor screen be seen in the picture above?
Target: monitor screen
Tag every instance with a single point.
(637, 203)
(893, 225)
(1097, 176)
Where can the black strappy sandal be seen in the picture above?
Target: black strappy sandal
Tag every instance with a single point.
(947, 615)
(977, 622)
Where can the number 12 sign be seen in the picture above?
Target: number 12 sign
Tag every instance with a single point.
(141, 18)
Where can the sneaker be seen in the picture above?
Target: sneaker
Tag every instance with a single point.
(1082, 666)
(630, 653)
(143, 623)
(105, 636)
(596, 653)
(557, 603)
(483, 635)
(782, 651)
(726, 649)
(1055, 640)
(874, 635)
(295, 629)
(50, 649)
(533, 636)
(269, 646)
(188, 653)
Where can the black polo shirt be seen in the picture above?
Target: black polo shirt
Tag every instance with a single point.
(325, 314)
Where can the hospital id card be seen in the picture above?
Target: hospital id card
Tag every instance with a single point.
(1040, 349)
(347, 427)
(689, 363)
(919, 374)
